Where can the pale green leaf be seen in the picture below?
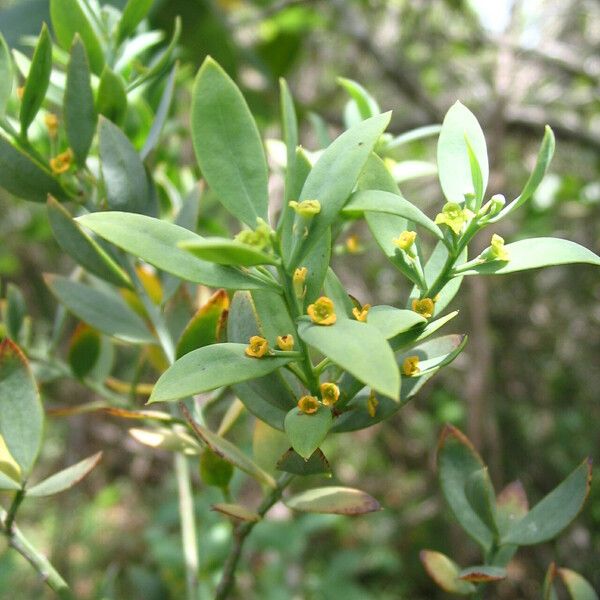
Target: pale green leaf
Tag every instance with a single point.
(333, 500)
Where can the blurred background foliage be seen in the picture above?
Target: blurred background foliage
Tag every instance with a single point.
(526, 389)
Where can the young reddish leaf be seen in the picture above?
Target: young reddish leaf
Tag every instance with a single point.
(511, 505)
(482, 574)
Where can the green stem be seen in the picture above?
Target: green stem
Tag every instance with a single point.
(36, 559)
(240, 534)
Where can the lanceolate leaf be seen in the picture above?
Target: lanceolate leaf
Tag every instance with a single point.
(334, 176)
(209, 368)
(21, 412)
(535, 253)
(360, 349)
(453, 158)
(133, 13)
(444, 572)
(111, 99)
(224, 251)
(290, 136)
(480, 495)
(104, 311)
(236, 511)
(365, 103)
(457, 461)
(24, 177)
(228, 145)
(74, 16)
(379, 201)
(555, 511)
(157, 241)
(483, 574)
(80, 246)
(579, 588)
(79, 111)
(124, 176)
(334, 500)
(37, 81)
(63, 480)
(6, 75)
(392, 321)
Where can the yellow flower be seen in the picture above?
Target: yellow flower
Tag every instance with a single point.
(372, 404)
(308, 405)
(306, 208)
(322, 312)
(257, 347)
(424, 307)
(405, 240)
(51, 121)
(259, 238)
(497, 251)
(361, 315)
(353, 245)
(285, 342)
(454, 216)
(299, 280)
(61, 163)
(330, 393)
(410, 366)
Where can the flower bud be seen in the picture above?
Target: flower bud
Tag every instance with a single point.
(299, 280)
(410, 366)
(285, 342)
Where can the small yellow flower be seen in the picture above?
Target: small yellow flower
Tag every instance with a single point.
(424, 307)
(51, 121)
(259, 238)
(299, 281)
(410, 366)
(353, 245)
(308, 405)
(372, 404)
(497, 251)
(405, 240)
(257, 347)
(454, 216)
(20, 92)
(61, 163)
(285, 342)
(322, 312)
(361, 315)
(330, 393)
(306, 208)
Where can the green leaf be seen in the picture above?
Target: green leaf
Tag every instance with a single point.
(333, 500)
(23, 176)
(393, 321)
(164, 438)
(84, 350)
(104, 311)
(480, 495)
(541, 166)
(272, 316)
(358, 348)
(365, 103)
(336, 292)
(65, 479)
(454, 166)
(162, 112)
(205, 326)
(15, 311)
(228, 146)
(534, 253)
(290, 136)
(333, 178)
(420, 333)
(124, 175)
(79, 112)
(380, 201)
(21, 412)
(82, 248)
(482, 574)
(133, 13)
(209, 368)
(413, 135)
(75, 16)
(554, 512)
(224, 251)
(157, 241)
(268, 443)
(6, 75)
(236, 511)
(306, 432)
(548, 591)
(316, 464)
(457, 460)
(7, 483)
(476, 175)
(214, 470)
(444, 572)
(111, 100)
(511, 506)
(232, 454)
(579, 588)
(38, 79)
